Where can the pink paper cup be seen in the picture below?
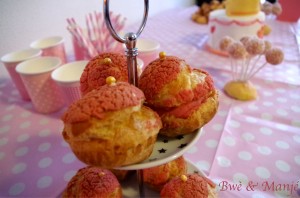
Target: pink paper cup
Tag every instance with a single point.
(45, 95)
(148, 50)
(11, 60)
(51, 46)
(67, 78)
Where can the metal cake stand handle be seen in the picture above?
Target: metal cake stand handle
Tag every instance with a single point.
(129, 40)
(131, 52)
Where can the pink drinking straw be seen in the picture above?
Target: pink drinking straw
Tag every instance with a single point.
(85, 42)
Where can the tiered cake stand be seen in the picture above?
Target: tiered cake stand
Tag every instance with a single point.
(165, 149)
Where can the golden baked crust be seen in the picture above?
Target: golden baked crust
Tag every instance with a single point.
(109, 126)
(157, 177)
(184, 103)
(93, 182)
(121, 138)
(174, 125)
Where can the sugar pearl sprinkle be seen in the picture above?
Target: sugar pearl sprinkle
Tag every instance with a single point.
(274, 56)
(162, 55)
(110, 80)
(107, 61)
(183, 178)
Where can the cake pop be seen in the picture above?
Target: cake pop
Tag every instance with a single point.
(245, 55)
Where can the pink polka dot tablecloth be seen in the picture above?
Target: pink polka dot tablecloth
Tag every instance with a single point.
(249, 149)
(34, 159)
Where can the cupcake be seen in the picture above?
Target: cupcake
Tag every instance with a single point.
(187, 186)
(102, 66)
(185, 98)
(92, 182)
(157, 177)
(109, 126)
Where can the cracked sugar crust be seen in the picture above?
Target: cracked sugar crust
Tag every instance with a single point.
(97, 70)
(159, 73)
(92, 181)
(194, 186)
(104, 99)
(170, 82)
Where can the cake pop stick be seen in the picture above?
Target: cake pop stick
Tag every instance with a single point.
(267, 46)
(273, 56)
(236, 52)
(250, 75)
(247, 64)
(255, 48)
(224, 44)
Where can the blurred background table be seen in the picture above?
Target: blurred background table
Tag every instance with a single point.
(255, 142)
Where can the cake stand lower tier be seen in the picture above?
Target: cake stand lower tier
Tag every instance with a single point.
(165, 150)
(129, 186)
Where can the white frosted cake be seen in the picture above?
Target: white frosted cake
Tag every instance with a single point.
(237, 20)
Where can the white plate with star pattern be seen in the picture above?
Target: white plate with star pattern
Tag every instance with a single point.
(166, 149)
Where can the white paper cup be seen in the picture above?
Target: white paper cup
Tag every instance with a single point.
(51, 46)
(45, 95)
(148, 50)
(68, 78)
(11, 60)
